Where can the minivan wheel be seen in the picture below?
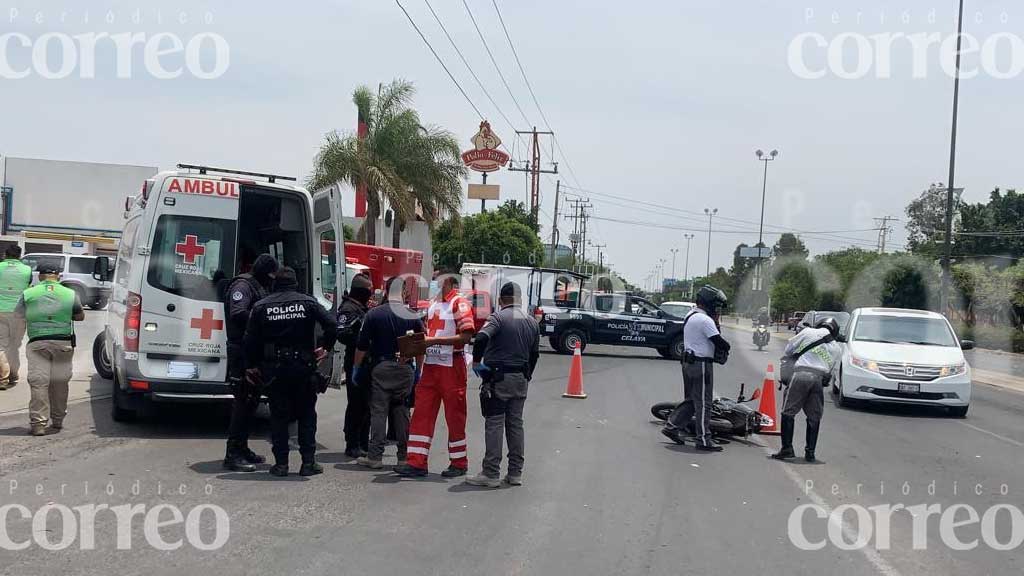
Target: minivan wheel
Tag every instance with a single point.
(101, 358)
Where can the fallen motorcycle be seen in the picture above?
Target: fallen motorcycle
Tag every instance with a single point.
(728, 417)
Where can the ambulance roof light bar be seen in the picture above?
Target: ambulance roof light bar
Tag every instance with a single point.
(204, 169)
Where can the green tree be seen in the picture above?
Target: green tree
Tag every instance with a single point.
(991, 227)
(486, 238)
(793, 288)
(847, 264)
(517, 211)
(926, 219)
(904, 287)
(400, 161)
(790, 245)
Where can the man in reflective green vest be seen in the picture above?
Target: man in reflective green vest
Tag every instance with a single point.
(15, 277)
(50, 311)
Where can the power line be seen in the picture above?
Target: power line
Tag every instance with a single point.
(495, 63)
(439, 61)
(468, 67)
(533, 95)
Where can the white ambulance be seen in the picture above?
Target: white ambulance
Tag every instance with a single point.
(185, 234)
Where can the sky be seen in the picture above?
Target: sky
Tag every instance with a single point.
(658, 105)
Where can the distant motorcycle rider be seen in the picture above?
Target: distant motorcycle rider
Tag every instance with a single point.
(357, 411)
(763, 318)
(281, 350)
(702, 343)
(818, 353)
(241, 295)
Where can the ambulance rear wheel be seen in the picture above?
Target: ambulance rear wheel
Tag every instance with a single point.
(570, 339)
(117, 412)
(100, 357)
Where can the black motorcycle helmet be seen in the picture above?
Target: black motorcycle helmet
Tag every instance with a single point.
(829, 323)
(711, 299)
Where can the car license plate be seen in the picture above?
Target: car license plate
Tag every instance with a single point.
(182, 370)
(910, 388)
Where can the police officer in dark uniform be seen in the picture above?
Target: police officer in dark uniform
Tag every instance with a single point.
(357, 411)
(281, 352)
(241, 295)
(505, 354)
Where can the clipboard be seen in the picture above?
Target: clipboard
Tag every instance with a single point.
(412, 345)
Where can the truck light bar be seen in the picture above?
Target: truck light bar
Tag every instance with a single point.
(204, 169)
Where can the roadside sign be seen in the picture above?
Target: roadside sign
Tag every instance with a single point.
(484, 191)
(755, 252)
(485, 156)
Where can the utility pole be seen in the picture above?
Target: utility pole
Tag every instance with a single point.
(554, 224)
(944, 293)
(674, 251)
(711, 214)
(686, 270)
(579, 224)
(884, 230)
(600, 256)
(534, 168)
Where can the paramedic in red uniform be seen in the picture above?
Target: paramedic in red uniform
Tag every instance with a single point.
(449, 328)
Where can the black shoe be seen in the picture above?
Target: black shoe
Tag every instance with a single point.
(354, 453)
(279, 470)
(310, 469)
(784, 454)
(252, 457)
(237, 463)
(674, 434)
(709, 448)
(809, 456)
(453, 472)
(408, 471)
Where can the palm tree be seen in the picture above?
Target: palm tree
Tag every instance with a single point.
(401, 162)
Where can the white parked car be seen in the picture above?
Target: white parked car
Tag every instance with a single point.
(678, 309)
(903, 356)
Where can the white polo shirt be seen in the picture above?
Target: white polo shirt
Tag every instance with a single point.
(697, 334)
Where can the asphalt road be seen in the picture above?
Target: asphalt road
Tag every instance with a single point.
(605, 493)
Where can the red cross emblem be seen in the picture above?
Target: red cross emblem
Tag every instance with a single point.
(435, 324)
(190, 248)
(206, 324)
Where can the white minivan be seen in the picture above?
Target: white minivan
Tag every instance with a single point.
(185, 233)
(896, 355)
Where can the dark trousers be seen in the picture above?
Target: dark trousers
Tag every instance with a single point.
(243, 407)
(503, 416)
(293, 399)
(389, 391)
(699, 387)
(357, 414)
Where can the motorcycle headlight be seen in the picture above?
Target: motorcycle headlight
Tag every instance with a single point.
(869, 365)
(767, 421)
(953, 370)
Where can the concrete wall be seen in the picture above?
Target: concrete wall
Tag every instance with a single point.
(70, 197)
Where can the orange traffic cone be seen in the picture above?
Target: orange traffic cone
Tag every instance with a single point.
(575, 387)
(767, 406)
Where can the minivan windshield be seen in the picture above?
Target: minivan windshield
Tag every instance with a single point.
(190, 254)
(904, 330)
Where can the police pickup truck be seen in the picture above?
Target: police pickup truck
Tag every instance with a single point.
(617, 319)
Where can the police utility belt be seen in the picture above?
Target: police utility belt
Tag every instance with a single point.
(497, 371)
(721, 356)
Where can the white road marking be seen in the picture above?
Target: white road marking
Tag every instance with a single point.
(994, 435)
(876, 560)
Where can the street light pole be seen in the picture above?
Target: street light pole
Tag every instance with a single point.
(944, 291)
(766, 158)
(711, 214)
(674, 251)
(686, 269)
(662, 268)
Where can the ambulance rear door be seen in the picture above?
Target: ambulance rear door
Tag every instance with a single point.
(330, 234)
(192, 244)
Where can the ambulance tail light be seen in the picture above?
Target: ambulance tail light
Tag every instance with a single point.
(132, 322)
